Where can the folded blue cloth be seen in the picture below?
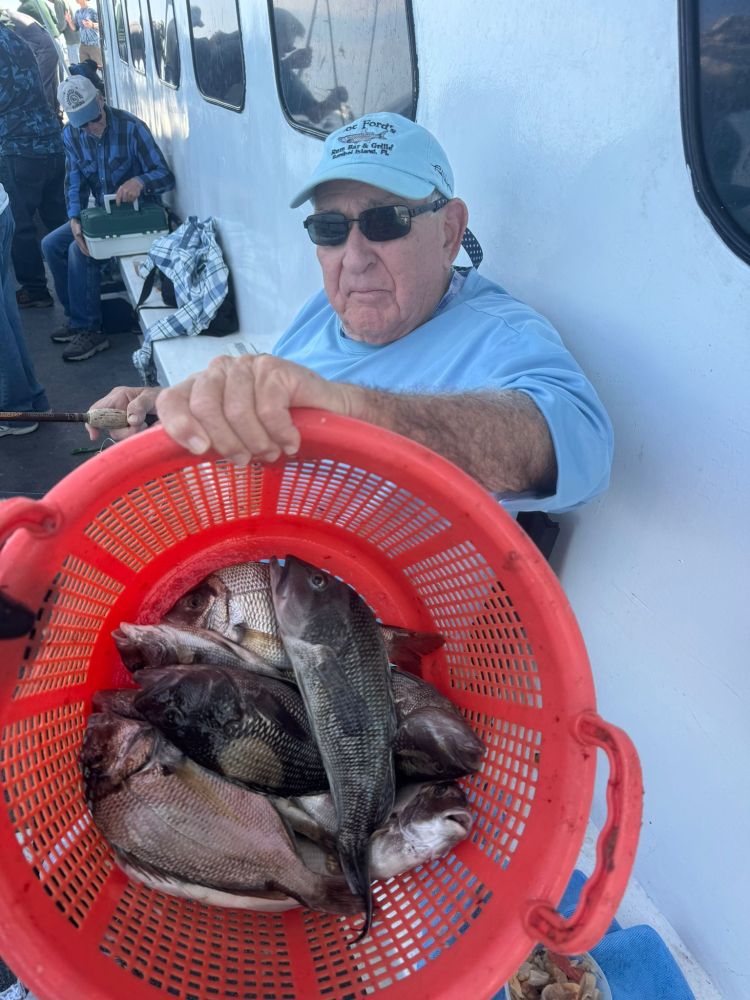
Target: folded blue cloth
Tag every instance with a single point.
(635, 960)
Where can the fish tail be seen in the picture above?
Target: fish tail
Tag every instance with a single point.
(355, 864)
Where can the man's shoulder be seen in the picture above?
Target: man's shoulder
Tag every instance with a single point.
(483, 297)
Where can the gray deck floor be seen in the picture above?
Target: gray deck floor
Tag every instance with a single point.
(30, 465)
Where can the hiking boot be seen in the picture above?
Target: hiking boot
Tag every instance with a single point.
(38, 299)
(64, 335)
(16, 430)
(84, 345)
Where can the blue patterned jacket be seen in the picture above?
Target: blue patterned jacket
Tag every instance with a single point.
(28, 126)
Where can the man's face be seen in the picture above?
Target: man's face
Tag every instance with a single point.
(382, 291)
(98, 125)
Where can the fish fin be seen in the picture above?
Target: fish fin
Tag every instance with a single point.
(256, 639)
(355, 865)
(270, 707)
(347, 704)
(407, 647)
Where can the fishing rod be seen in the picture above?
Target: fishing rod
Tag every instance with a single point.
(102, 418)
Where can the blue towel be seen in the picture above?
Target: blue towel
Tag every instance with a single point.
(635, 960)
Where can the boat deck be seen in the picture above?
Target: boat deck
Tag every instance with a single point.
(31, 465)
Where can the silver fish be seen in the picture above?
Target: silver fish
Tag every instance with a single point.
(341, 667)
(170, 820)
(147, 646)
(427, 821)
(237, 603)
(242, 725)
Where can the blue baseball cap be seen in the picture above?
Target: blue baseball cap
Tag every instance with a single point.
(386, 150)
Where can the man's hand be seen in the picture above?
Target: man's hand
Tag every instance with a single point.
(129, 191)
(137, 402)
(75, 228)
(240, 406)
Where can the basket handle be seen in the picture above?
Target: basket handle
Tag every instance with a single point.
(36, 516)
(615, 848)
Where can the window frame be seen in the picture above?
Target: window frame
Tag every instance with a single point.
(312, 129)
(127, 61)
(172, 86)
(693, 139)
(206, 97)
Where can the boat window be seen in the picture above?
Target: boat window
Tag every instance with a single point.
(122, 43)
(217, 52)
(135, 30)
(164, 34)
(339, 59)
(715, 78)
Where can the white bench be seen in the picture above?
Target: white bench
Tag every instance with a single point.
(179, 357)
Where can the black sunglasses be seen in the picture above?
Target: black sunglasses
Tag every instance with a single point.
(387, 222)
(94, 121)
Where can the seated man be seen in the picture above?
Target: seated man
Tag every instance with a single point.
(403, 339)
(107, 151)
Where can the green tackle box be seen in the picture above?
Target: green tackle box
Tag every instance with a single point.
(117, 230)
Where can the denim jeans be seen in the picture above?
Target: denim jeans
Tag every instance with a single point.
(77, 279)
(34, 184)
(19, 389)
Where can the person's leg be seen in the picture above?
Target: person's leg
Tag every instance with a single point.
(19, 388)
(84, 294)
(24, 180)
(73, 56)
(52, 207)
(55, 249)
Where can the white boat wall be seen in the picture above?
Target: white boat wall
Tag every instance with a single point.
(563, 125)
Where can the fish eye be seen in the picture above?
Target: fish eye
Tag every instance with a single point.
(194, 601)
(318, 581)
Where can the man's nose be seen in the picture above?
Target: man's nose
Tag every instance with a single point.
(359, 252)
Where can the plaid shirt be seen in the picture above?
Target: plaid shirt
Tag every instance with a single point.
(99, 166)
(191, 257)
(28, 126)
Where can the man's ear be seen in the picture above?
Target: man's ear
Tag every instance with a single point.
(456, 218)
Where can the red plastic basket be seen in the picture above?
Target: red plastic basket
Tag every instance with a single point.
(119, 540)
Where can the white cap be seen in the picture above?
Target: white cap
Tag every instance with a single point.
(78, 99)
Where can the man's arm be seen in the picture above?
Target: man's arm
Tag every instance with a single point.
(499, 438)
(240, 407)
(76, 186)
(154, 174)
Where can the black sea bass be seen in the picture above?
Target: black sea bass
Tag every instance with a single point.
(341, 665)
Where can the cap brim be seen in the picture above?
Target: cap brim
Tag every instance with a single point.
(84, 115)
(394, 181)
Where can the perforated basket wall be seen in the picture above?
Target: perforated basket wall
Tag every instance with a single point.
(120, 540)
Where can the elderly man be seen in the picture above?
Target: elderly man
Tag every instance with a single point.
(107, 151)
(401, 338)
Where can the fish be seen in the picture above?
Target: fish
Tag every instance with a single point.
(147, 646)
(242, 725)
(433, 738)
(175, 825)
(255, 729)
(427, 821)
(237, 603)
(118, 701)
(341, 666)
